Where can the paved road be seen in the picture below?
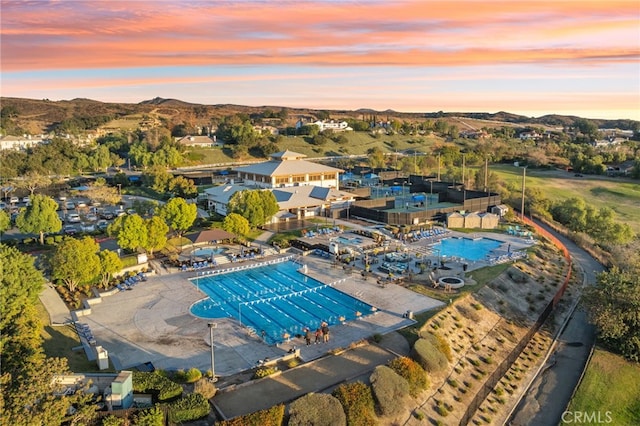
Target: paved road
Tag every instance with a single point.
(551, 391)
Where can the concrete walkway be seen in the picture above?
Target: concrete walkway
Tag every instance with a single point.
(58, 312)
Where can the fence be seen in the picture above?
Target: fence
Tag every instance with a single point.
(504, 366)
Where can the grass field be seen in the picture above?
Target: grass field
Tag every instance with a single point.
(610, 384)
(58, 342)
(623, 196)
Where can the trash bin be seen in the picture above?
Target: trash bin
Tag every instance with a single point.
(410, 314)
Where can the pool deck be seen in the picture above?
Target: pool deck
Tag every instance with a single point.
(152, 323)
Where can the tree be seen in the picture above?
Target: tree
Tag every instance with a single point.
(613, 305)
(40, 217)
(101, 192)
(5, 221)
(236, 224)
(131, 231)
(109, 264)
(157, 231)
(183, 187)
(32, 181)
(157, 178)
(76, 262)
(179, 215)
(255, 205)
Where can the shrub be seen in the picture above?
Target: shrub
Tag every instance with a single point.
(156, 384)
(28, 241)
(412, 372)
(377, 337)
(205, 388)
(263, 372)
(428, 356)
(418, 415)
(357, 402)
(192, 375)
(273, 416)
(150, 417)
(129, 261)
(112, 421)
(191, 407)
(316, 409)
(442, 409)
(293, 362)
(389, 389)
(57, 239)
(49, 240)
(439, 342)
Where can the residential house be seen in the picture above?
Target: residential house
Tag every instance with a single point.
(204, 141)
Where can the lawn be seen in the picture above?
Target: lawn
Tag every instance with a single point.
(58, 342)
(623, 196)
(610, 384)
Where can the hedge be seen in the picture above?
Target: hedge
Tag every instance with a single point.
(412, 372)
(389, 389)
(192, 407)
(357, 402)
(155, 383)
(428, 356)
(273, 416)
(439, 342)
(318, 409)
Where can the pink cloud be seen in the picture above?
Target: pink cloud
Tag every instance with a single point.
(71, 35)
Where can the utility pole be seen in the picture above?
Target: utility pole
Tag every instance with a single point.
(486, 173)
(438, 167)
(524, 174)
(212, 325)
(463, 170)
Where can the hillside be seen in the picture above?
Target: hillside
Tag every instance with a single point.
(41, 116)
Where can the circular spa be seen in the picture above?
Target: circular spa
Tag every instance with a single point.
(451, 282)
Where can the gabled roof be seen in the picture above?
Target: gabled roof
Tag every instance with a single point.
(210, 235)
(287, 155)
(320, 193)
(286, 163)
(304, 196)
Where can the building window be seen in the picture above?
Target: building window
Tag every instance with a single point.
(315, 177)
(282, 180)
(300, 178)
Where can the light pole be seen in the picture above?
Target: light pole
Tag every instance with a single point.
(212, 325)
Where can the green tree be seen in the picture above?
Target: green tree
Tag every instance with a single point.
(5, 221)
(179, 215)
(183, 187)
(110, 263)
(132, 233)
(236, 224)
(613, 305)
(157, 178)
(255, 205)
(33, 180)
(101, 192)
(40, 217)
(76, 262)
(157, 231)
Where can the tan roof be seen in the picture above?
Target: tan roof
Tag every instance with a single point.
(210, 235)
(287, 163)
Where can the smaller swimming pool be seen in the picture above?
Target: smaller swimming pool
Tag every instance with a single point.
(470, 249)
(348, 240)
(208, 251)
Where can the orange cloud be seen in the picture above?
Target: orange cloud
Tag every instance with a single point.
(76, 35)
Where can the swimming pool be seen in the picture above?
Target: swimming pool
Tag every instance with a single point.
(208, 252)
(348, 240)
(470, 249)
(277, 299)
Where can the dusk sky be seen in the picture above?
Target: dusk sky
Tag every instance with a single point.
(526, 57)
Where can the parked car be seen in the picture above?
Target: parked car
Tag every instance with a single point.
(26, 200)
(106, 215)
(81, 204)
(88, 227)
(102, 224)
(121, 213)
(91, 217)
(69, 205)
(14, 200)
(73, 218)
(69, 229)
(3, 205)
(62, 198)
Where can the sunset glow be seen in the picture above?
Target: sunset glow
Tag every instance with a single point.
(525, 57)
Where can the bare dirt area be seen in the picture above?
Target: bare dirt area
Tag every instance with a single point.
(482, 330)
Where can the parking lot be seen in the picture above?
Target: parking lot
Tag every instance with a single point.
(78, 214)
